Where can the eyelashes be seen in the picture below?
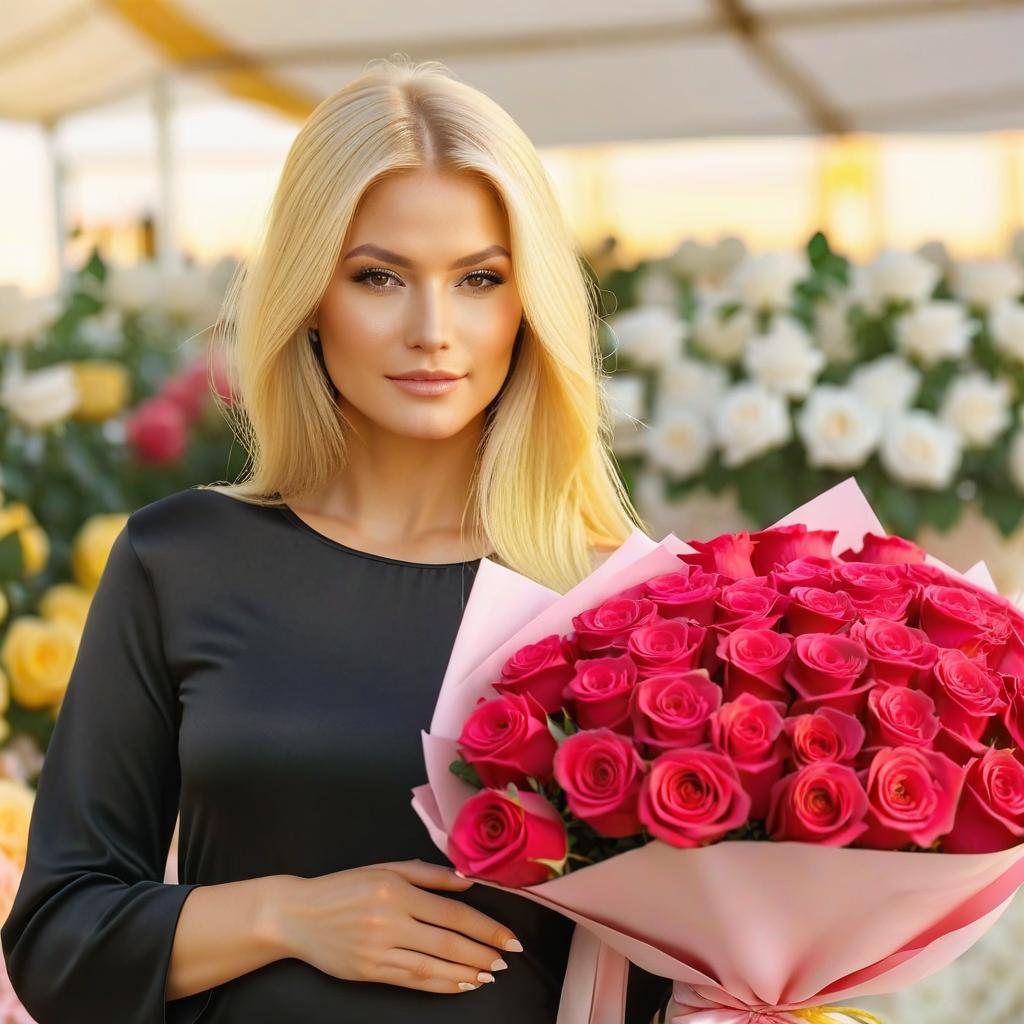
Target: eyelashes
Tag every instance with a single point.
(367, 273)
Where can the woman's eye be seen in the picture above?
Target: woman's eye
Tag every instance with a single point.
(489, 278)
(377, 279)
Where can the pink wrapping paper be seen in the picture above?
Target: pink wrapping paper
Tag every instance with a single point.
(740, 927)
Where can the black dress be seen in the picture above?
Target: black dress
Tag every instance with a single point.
(275, 681)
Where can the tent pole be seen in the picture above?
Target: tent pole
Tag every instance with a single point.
(58, 177)
(168, 257)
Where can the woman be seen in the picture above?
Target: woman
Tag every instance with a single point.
(268, 651)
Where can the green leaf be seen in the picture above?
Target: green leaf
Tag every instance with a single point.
(557, 731)
(11, 560)
(466, 772)
(940, 509)
(512, 792)
(1004, 507)
(897, 508)
(557, 866)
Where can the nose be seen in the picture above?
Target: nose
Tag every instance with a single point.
(432, 320)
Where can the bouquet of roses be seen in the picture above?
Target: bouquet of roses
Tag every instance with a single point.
(728, 761)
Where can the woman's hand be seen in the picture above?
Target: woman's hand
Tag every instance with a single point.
(378, 923)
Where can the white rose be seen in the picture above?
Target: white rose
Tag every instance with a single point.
(861, 291)
(978, 408)
(784, 359)
(656, 287)
(648, 335)
(1006, 325)
(936, 251)
(39, 398)
(902, 277)
(690, 258)
(102, 331)
(23, 317)
(724, 340)
(189, 292)
(1017, 245)
(1015, 460)
(766, 281)
(888, 384)
(838, 428)
(679, 443)
(134, 287)
(726, 255)
(920, 451)
(984, 283)
(934, 331)
(832, 329)
(626, 404)
(691, 384)
(750, 421)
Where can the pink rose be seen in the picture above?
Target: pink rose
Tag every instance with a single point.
(157, 431)
(728, 555)
(506, 739)
(692, 797)
(813, 610)
(823, 802)
(754, 660)
(687, 594)
(673, 709)
(804, 572)
(601, 772)
(912, 797)
(824, 735)
(541, 670)
(951, 616)
(899, 654)
(601, 691)
(751, 603)
(827, 666)
(958, 746)
(898, 716)
(887, 550)
(669, 645)
(990, 816)
(784, 544)
(749, 731)
(1013, 716)
(896, 604)
(966, 693)
(863, 579)
(606, 628)
(505, 839)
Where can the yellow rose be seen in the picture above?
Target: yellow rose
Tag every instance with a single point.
(39, 655)
(5, 606)
(16, 800)
(35, 545)
(5, 702)
(91, 546)
(65, 601)
(103, 386)
(15, 516)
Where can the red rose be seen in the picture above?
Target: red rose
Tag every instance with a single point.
(899, 716)
(157, 431)
(784, 544)
(825, 665)
(687, 594)
(899, 654)
(601, 690)
(667, 645)
(600, 772)
(749, 731)
(692, 797)
(912, 797)
(606, 628)
(728, 555)
(862, 579)
(507, 739)
(824, 735)
(951, 616)
(752, 603)
(958, 746)
(804, 572)
(966, 693)
(887, 550)
(823, 802)
(813, 610)
(674, 709)
(990, 816)
(754, 660)
(505, 839)
(540, 670)
(896, 604)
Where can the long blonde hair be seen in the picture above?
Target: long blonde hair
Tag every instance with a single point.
(545, 488)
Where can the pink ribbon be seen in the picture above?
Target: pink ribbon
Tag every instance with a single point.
(693, 1008)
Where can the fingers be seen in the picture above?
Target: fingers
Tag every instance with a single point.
(459, 917)
(420, 970)
(430, 876)
(450, 946)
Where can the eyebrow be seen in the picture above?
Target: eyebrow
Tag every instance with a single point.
(392, 257)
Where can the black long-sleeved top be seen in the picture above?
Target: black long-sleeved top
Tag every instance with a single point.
(275, 682)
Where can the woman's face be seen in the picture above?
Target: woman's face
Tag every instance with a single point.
(424, 283)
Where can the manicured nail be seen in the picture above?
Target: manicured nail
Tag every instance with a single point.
(466, 986)
(513, 946)
(484, 977)
(499, 965)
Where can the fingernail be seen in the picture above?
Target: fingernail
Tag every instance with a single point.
(513, 946)
(499, 965)
(483, 976)
(460, 874)
(466, 986)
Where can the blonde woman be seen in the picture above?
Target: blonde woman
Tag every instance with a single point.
(418, 386)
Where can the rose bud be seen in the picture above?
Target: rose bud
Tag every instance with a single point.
(753, 661)
(951, 616)
(804, 572)
(990, 815)
(824, 735)
(540, 670)
(966, 693)
(825, 669)
(898, 716)
(673, 709)
(601, 772)
(692, 797)
(899, 654)
(671, 645)
(687, 594)
(749, 731)
(823, 802)
(507, 839)
(606, 628)
(506, 739)
(750, 604)
(784, 544)
(728, 555)
(600, 691)
(887, 550)
(813, 610)
(912, 797)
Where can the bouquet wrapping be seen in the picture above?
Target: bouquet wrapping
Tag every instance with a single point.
(790, 776)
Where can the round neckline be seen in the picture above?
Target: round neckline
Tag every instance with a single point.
(293, 517)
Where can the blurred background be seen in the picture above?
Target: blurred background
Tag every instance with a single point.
(806, 218)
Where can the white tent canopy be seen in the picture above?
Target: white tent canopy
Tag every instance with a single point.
(577, 71)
